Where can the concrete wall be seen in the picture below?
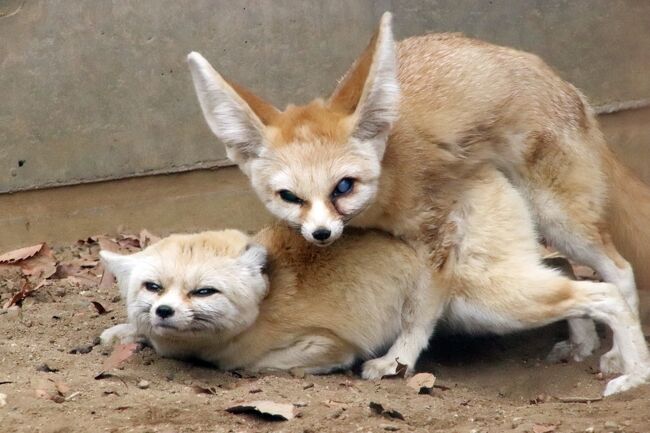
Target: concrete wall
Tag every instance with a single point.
(95, 90)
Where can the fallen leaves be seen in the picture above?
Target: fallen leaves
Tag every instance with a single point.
(121, 353)
(36, 266)
(56, 391)
(20, 295)
(265, 409)
(15, 256)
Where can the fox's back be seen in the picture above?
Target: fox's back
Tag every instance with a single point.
(452, 84)
(349, 287)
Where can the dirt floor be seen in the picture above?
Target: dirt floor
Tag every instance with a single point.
(50, 366)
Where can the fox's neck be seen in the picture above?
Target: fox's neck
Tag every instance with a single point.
(418, 186)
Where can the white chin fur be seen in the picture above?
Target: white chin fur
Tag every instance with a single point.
(335, 228)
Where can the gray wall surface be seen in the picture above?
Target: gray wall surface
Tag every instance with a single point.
(94, 90)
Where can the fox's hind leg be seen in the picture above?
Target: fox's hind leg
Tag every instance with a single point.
(502, 285)
(595, 249)
(518, 292)
(550, 297)
(566, 186)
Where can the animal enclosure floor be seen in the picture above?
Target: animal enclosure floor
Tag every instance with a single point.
(486, 384)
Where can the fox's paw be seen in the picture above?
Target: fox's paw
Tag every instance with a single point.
(380, 367)
(565, 350)
(627, 381)
(123, 333)
(611, 362)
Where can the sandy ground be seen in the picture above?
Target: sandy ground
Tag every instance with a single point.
(487, 384)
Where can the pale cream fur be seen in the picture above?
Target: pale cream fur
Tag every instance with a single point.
(469, 113)
(300, 306)
(284, 303)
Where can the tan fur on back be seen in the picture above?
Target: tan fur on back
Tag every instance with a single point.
(372, 271)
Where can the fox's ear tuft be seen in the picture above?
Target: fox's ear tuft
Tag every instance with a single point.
(235, 115)
(255, 257)
(370, 89)
(118, 264)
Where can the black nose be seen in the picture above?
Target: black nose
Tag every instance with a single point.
(164, 311)
(321, 234)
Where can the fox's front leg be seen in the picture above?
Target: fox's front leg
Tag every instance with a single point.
(123, 333)
(420, 313)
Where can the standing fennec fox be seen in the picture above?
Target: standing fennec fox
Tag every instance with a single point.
(273, 301)
(406, 142)
(276, 301)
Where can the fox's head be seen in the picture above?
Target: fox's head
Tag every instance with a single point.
(205, 284)
(314, 166)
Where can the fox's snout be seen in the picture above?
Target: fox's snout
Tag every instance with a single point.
(321, 225)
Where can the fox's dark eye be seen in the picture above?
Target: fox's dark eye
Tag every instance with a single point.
(152, 287)
(344, 186)
(205, 291)
(289, 197)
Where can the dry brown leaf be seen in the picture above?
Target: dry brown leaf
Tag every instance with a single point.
(99, 307)
(265, 409)
(544, 428)
(20, 295)
(198, 389)
(16, 256)
(61, 388)
(121, 353)
(108, 244)
(41, 265)
(107, 280)
(129, 242)
(422, 382)
(400, 371)
(147, 238)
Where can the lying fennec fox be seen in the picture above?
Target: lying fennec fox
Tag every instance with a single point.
(403, 144)
(273, 301)
(276, 301)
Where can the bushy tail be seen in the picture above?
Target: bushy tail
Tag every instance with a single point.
(629, 218)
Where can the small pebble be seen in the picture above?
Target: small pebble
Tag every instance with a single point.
(589, 430)
(46, 369)
(82, 349)
(389, 427)
(3, 399)
(143, 384)
(59, 291)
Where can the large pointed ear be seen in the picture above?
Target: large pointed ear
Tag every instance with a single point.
(120, 266)
(370, 89)
(235, 115)
(254, 257)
